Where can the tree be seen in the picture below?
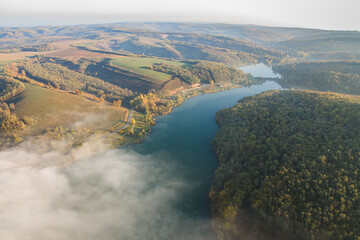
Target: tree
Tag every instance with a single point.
(11, 106)
(101, 99)
(117, 103)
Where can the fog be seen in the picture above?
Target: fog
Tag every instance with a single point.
(53, 193)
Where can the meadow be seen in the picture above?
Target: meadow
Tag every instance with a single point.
(50, 108)
(139, 64)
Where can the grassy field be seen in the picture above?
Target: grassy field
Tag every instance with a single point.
(62, 49)
(123, 137)
(138, 65)
(51, 108)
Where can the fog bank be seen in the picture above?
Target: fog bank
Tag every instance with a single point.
(113, 194)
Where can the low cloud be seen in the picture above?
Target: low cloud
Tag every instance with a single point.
(112, 194)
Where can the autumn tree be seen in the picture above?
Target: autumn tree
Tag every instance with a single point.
(117, 103)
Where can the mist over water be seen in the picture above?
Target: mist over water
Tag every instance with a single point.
(117, 194)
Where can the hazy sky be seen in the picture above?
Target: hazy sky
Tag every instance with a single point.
(326, 14)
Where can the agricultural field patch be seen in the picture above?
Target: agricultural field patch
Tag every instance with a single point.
(76, 53)
(138, 65)
(62, 49)
(51, 108)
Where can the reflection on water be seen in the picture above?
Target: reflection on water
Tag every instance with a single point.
(260, 70)
(184, 136)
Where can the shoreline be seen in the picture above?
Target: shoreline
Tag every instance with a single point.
(211, 89)
(186, 97)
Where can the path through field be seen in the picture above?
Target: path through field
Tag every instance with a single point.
(128, 122)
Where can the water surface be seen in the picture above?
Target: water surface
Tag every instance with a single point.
(183, 137)
(260, 70)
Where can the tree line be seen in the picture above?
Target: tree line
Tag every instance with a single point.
(340, 76)
(60, 77)
(9, 87)
(202, 72)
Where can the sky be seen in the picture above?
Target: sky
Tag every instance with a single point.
(323, 14)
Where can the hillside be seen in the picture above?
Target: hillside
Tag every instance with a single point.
(50, 108)
(9, 87)
(291, 157)
(202, 72)
(60, 77)
(116, 37)
(227, 43)
(130, 77)
(339, 76)
(185, 46)
(336, 45)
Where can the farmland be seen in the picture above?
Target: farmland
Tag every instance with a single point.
(62, 49)
(50, 108)
(138, 65)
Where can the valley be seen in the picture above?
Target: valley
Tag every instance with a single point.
(218, 131)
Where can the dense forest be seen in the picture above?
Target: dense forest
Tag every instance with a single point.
(340, 76)
(9, 87)
(194, 72)
(292, 157)
(38, 48)
(11, 125)
(29, 48)
(63, 78)
(203, 72)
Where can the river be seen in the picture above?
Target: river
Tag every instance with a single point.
(183, 137)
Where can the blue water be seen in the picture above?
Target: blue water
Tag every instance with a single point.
(183, 138)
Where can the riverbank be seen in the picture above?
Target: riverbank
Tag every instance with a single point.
(127, 135)
(258, 74)
(182, 137)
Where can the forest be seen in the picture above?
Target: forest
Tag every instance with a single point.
(11, 125)
(38, 48)
(291, 157)
(28, 48)
(60, 77)
(202, 72)
(339, 76)
(9, 87)
(194, 72)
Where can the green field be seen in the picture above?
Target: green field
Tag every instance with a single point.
(51, 108)
(138, 65)
(123, 137)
